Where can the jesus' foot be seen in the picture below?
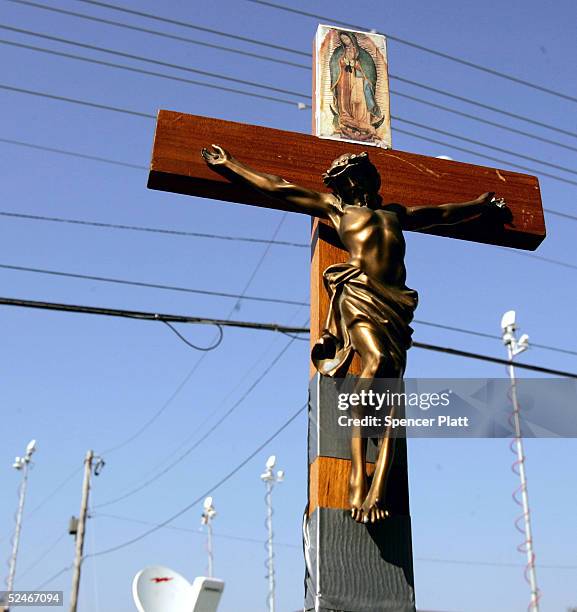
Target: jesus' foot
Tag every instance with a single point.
(357, 492)
(372, 511)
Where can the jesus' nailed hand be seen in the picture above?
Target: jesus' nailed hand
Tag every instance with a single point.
(371, 306)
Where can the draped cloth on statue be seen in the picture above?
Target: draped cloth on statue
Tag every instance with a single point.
(356, 299)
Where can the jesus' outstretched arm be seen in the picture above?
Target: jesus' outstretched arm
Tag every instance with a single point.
(300, 199)
(425, 217)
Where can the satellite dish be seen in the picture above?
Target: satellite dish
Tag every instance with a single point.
(508, 320)
(31, 447)
(160, 589)
(208, 503)
(270, 462)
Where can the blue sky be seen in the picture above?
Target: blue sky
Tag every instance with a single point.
(79, 382)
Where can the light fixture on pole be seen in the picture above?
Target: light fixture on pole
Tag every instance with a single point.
(514, 348)
(22, 465)
(270, 479)
(208, 514)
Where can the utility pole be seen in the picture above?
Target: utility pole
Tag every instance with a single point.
(270, 479)
(20, 464)
(81, 529)
(514, 348)
(207, 516)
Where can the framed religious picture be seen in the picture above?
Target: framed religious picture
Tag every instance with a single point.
(351, 86)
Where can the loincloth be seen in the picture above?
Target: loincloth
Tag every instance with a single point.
(356, 299)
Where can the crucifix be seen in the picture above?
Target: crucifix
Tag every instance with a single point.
(357, 531)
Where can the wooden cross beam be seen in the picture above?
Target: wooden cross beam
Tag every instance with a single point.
(407, 178)
(350, 566)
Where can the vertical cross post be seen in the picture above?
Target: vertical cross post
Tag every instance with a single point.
(351, 567)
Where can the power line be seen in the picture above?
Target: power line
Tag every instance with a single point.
(125, 164)
(97, 158)
(485, 156)
(482, 144)
(439, 142)
(42, 94)
(492, 563)
(262, 86)
(472, 332)
(287, 545)
(555, 177)
(190, 530)
(185, 24)
(414, 45)
(489, 107)
(149, 316)
(118, 281)
(179, 388)
(153, 61)
(557, 262)
(154, 230)
(308, 67)
(392, 76)
(51, 495)
(65, 569)
(479, 357)
(152, 73)
(287, 329)
(43, 555)
(482, 120)
(201, 498)
(205, 436)
(185, 39)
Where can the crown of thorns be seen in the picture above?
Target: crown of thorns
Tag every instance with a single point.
(345, 163)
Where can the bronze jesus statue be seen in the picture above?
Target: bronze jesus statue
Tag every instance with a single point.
(371, 307)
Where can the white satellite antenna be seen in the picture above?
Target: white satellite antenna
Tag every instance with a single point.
(160, 589)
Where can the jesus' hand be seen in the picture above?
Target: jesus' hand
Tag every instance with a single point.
(216, 155)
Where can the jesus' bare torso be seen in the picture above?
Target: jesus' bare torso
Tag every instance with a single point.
(372, 234)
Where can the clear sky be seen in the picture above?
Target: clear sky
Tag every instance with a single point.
(76, 382)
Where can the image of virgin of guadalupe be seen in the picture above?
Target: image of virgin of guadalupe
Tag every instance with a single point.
(356, 114)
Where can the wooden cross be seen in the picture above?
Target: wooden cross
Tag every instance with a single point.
(350, 566)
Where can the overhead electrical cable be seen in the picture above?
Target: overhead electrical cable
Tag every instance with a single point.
(105, 160)
(149, 316)
(154, 230)
(484, 121)
(145, 426)
(421, 137)
(299, 546)
(200, 498)
(43, 555)
(281, 328)
(108, 107)
(224, 536)
(200, 440)
(420, 47)
(42, 94)
(478, 104)
(152, 73)
(153, 61)
(65, 569)
(435, 90)
(485, 156)
(118, 281)
(286, 62)
(140, 430)
(134, 28)
(329, 20)
(482, 144)
(192, 26)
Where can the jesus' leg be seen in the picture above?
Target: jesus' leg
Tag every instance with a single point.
(372, 508)
(372, 361)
